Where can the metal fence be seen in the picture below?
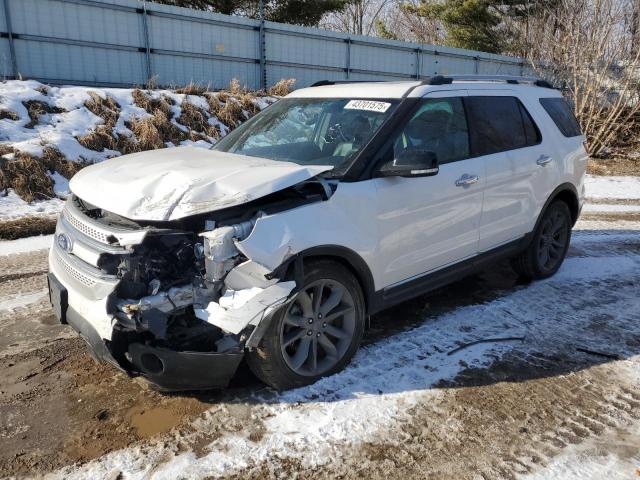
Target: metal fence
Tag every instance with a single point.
(127, 42)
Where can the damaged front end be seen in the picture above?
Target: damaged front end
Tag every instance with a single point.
(175, 302)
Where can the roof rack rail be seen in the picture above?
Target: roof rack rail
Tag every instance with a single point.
(512, 79)
(322, 83)
(448, 79)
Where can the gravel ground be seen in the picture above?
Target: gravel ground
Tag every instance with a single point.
(538, 407)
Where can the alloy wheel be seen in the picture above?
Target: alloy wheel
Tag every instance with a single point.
(553, 240)
(318, 327)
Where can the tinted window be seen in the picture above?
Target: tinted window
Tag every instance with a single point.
(439, 125)
(562, 115)
(499, 124)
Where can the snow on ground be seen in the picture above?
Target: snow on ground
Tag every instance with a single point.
(12, 207)
(627, 188)
(59, 129)
(25, 245)
(610, 208)
(22, 300)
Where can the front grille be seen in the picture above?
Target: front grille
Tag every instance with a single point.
(85, 228)
(71, 270)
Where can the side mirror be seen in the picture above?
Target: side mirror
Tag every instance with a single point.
(412, 162)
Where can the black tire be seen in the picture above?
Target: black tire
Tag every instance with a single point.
(276, 358)
(553, 235)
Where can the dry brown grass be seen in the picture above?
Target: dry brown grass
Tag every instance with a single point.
(8, 115)
(282, 87)
(147, 136)
(235, 88)
(196, 120)
(36, 108)
(5, 149)
(193, 89)
(105, 108)
(27, 227)
(230, 112)
(620, 165)
(43, 89)
(55, 161)
(28, 176)
(152, 105)
(99, 140)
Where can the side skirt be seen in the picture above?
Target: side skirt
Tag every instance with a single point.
(390, 296)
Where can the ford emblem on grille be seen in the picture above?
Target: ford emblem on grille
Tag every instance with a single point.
(64, 242)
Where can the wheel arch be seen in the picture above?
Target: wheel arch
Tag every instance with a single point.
(568, 193)
(350, 259)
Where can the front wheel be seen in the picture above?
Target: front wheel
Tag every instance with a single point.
(548, 248)
(316, 333)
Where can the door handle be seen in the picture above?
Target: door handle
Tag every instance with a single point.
(466, 180)
(543, 160)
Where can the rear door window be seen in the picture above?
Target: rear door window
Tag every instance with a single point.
(562, 115)
(499, 124)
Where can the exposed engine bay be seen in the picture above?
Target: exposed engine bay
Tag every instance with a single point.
(184, 287)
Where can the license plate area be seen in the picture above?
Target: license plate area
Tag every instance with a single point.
(58, 297)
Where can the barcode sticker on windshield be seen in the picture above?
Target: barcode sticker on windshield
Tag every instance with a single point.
(369, 105)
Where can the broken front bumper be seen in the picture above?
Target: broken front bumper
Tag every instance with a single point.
(167, 369)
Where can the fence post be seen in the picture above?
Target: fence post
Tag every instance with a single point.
(348, 59)
(418, 63)
(263, 50)
(476, 64)
(147, 46)
(12, 48)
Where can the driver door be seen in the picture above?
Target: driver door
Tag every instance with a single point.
(427, 223)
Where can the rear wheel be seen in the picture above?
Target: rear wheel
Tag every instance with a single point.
(548, 248)
(315, 334)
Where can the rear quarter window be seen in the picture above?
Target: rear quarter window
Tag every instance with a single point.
(499, 124)
(562, 115)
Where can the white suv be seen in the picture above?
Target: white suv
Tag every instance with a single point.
(338, 201)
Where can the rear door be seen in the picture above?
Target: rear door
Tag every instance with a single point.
(504, 134)
(427, 223)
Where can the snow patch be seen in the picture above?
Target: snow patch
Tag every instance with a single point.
(25, 245)
(21, 300)
(12, 207)
(612, 187)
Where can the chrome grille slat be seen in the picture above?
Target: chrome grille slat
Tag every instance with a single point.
(85, 228)
(71, 270)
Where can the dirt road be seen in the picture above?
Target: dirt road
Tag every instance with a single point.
(410, 406)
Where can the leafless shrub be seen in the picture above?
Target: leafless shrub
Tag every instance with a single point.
(282, 87)
(584, 46)
(105, 108)
(36, 108)
(8, 115)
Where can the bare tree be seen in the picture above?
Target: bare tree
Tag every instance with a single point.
(358, 17)
(585, 46)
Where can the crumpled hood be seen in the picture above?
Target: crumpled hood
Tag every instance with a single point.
(178, 182)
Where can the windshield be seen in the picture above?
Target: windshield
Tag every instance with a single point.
(310, 131)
